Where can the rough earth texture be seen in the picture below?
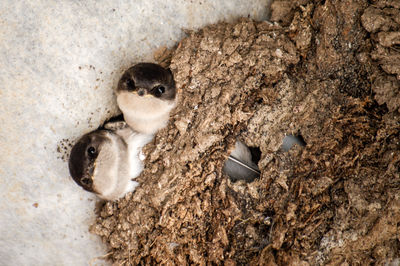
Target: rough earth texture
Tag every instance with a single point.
(327, 70)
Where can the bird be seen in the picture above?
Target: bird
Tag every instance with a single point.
(240, 164)
(146, 93)
(106, 161)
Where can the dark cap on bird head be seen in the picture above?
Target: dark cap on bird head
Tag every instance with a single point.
(148, 80)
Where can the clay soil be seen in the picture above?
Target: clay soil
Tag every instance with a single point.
(326, 70)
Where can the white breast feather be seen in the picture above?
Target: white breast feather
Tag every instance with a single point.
(135, 144)
(106, 171)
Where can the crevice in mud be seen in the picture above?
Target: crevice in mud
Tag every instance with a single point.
(290, 140)
(255, 154)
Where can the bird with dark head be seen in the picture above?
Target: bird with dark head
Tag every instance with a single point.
(106, 161)
(146, 94)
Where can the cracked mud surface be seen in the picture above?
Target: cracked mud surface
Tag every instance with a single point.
(329, 72)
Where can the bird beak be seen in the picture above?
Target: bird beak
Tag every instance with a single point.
(92, 172)
(141, 92)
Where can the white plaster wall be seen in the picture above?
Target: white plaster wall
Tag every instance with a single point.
(59, 61)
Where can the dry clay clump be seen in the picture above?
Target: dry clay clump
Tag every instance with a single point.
(382, 20)
(334, 201)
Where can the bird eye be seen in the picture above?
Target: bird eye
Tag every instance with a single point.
(91, 151)
(159, 90)
(130, 84)
(86, 181)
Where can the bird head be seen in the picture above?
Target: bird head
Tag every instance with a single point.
(82, 160)
(148, 80)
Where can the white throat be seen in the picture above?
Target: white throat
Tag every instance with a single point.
(144, 114)
(119, 163)
(105, 176)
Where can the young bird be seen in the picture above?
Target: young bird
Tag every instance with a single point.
(239, 165)
(146, 94)
(106, 161)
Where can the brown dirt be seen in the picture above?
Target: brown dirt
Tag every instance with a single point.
(327, 70)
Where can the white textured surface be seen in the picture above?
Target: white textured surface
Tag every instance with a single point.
(59, 61)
